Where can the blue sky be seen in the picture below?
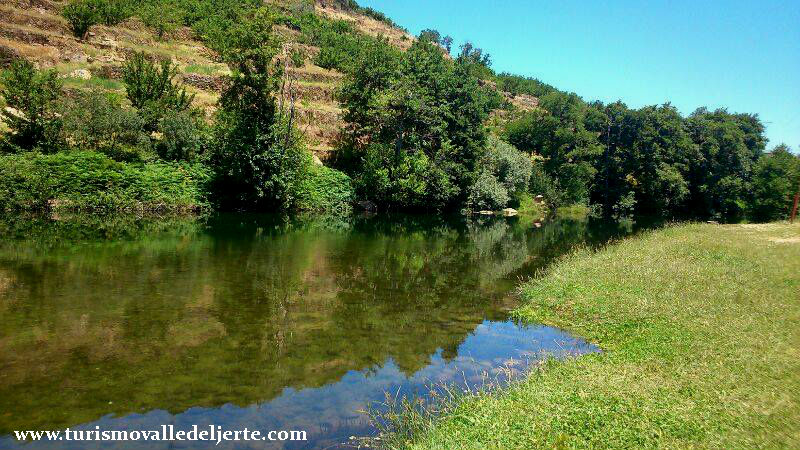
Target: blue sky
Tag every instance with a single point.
(743, 55)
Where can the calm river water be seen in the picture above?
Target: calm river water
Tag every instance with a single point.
(260, 322)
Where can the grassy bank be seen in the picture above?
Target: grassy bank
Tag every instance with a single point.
(701, 330)
(90, 181)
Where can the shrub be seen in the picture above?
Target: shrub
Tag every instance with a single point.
(96, 120)
(298, 57)
(487, 193)
(163, 17)
(151, 88)
(325, 190)
(31, 97)
(184, 136)
(81, 15)
(511, 167)
(543, 184)
(85, 180)
(113, 12)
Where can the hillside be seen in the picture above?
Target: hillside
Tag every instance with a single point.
(408, 123)
(35, 30)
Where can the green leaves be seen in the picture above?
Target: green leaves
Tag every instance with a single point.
(415, 128)
(31, 98)
(151, 88)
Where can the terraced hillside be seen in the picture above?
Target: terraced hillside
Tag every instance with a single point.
(35, 30)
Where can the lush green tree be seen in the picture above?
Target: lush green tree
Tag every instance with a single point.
(431, 35)
(557, 132)
(163, 17)
(475, 60)
(415, 128)
(729, 145)
(184, 135)
(152, 89)
(645, 160)
(776, 180)
(81, 15)
(503, 175)
(96, 120)
(31, 108)
(258, 157)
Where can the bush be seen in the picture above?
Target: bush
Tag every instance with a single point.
(31, 98)
(151, 88)
(81, 15)
(113, 12)
(184, 136)
(96, 120)
(85, 180)
(488, 193)
(511, 167)
(325, 190)
(542, 184)
(163, 17)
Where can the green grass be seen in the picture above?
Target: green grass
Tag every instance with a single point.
(527, 206)
(103, 83)
(206, 69)
(701, 330)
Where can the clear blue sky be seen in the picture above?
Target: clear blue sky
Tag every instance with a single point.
(739, 54)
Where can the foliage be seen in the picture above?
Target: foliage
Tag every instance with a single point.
(151, 88)
(728, 147)
(184, 136)
(31, 108)
(477, 62)
(558, 134)
(96, 120)
(163, 17)
(541, 183)
(646, 160)
(259, 157)
(446, 42)
(113, 12)
(325, 190)
(504, 174)
(776, 180)
(487, 193)
(515, 84)
(81, 15)
(414, 128)
(85, 180)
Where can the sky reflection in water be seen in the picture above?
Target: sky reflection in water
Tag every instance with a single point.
(250, 321)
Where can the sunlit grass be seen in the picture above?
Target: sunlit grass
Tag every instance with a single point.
(701, 329)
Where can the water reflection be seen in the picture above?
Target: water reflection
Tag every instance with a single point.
(256, 321)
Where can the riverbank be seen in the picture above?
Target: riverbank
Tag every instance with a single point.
(700, 325)
(91, 181)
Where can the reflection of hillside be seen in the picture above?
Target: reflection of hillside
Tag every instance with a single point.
(134, 316)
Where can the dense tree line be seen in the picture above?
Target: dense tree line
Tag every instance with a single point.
(416, 135)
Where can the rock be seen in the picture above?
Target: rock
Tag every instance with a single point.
(510, 212)
(82, 74)
(486, 213)
(317, 161)
(15, 112)
(7, 55)
(368, 206)
(539, 199)
(712, 222)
